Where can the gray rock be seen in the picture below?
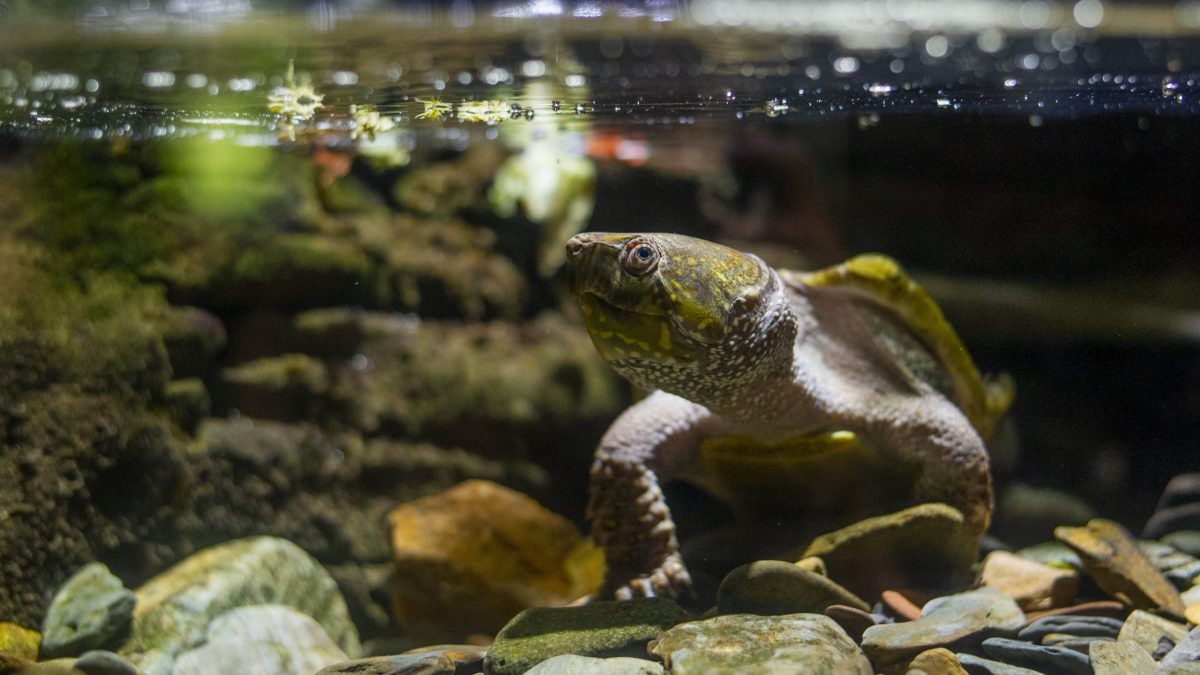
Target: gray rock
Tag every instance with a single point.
(950, 621)
(976, 665)
(1049, 660)
(769, 587)
(1120, 658)
(101, 662)
(1082, 626)
(1002, 611)
(1053, 553)
(440, 660)
(742, 643)
(91, 610)
(1187, 541)
(1083, 645)
(1151, 632)
(1184, 576)
(176, 607)
(601, 629)
(570, 664)
(1178, 508)
(266, 639)
(1187, 651)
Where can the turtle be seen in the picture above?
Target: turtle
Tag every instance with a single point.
(846, 384)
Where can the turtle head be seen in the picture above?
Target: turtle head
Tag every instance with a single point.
(664, 300)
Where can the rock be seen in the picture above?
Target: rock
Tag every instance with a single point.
(1108, 608)
(268, 639)
(1032, 585)
(814, 565)
(1113, 560)
(1002, 613)
(1026, 514)
(926, 546)
(570, 664)
(599, 629)
(175, 608)
(91, 610)
(740, 643)
(1154, 634)
(1052, 554)
(1178, 508)
(936, 662)
(1189, 668)
(980, 666)
(952, 621)
(1083, 645)
(774, 587)
(1081, 626)
(1186, 652)
(852, 620)
(899, 605)
(101, 662)
(1187, 541)
(470, 558)
(1120, 658)
(1181, 569)
(18, 641)
(439, 660)
(1191, 600)
(1055, 660)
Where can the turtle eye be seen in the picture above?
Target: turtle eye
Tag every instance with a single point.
(641, 257)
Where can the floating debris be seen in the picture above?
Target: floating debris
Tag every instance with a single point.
(368, 122)
(435, 109)
(294, 101)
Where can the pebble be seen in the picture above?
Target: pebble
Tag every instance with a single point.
(1187, 651)
(91, 610)
(1187, 541)
(176, 607)
(1083, 645)
(1082, 626)
(925, 546)
(1149, 631)
(434, 660)
(938, 661)
(1049, 660)
(570, 664)
(1002, 613)
(853, 621)
(976, 665)
(18, 641)
(769, 587)
(457, 573)
(261, 639)
(1031, 584)
(1052, 554)
(102, 662)
(952, 620)
(1112, 559)
(1178, 508)
(741, 643)
(1120, 658)
(1191, 599)
(599, 629)
(899, 605)
(1109, 608)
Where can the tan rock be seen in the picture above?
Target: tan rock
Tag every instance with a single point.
(1032, 585)
(470, 558)
(1147, 630)
(940, 661)
(19, 641)
(1191, 600)
(1120, 658)
(1111, 557)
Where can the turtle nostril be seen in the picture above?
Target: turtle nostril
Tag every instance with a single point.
(574, 246)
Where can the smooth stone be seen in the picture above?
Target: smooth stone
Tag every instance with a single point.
(1150, 630)
(925, 546)
(938, 661)
(1082, 626)
(1190, 668)
(175, 608)
(461, 570)
(1052, 554)
(1112, 559)
(1187, 541)
(900, 605)
(571, 664)
(1108, 608)
(1002, 612)
(1184, 576)
(1178, 508)
(261, 639)
(18, 641)
(1050, 660)
(1180, 568)
(1083, 645)
(1187, 651)
(769, 587)
(742, 643)
(1120, 658)
(977, 665)
(892, 643)
(853, 621)
(433, 660)
(91, 610)
(813, 564)
(1031, 584)
(103, 662)
(601, 629)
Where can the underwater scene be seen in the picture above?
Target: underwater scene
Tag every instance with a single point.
(599, 337)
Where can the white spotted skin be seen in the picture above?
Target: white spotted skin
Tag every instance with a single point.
(804, 361)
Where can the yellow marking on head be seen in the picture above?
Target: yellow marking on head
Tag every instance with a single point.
(664, 336)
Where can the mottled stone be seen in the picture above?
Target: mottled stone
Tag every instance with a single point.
(261, 639)
(18, 641)
(1037, 657)
(1002, 613)
(1149, 631)
(976, 665)
(91, 610)
(951, 621)
(435, 660)
(1070, 624)
(102, 662)
(175, 608)
(1187, 651)
(938, 661)
(740, 643)
(570, 664)
(599, 629)
(926, 546)
(1112, 558)
(774, 587)
(461, 570)
(1120, 658)
(1031, 584)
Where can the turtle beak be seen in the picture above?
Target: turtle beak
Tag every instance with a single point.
(588, 263)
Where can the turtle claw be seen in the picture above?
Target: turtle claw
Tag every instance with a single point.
(669, 580)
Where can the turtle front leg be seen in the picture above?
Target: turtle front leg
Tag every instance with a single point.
(652, 441)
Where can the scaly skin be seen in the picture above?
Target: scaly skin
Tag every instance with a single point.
(733, 349)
